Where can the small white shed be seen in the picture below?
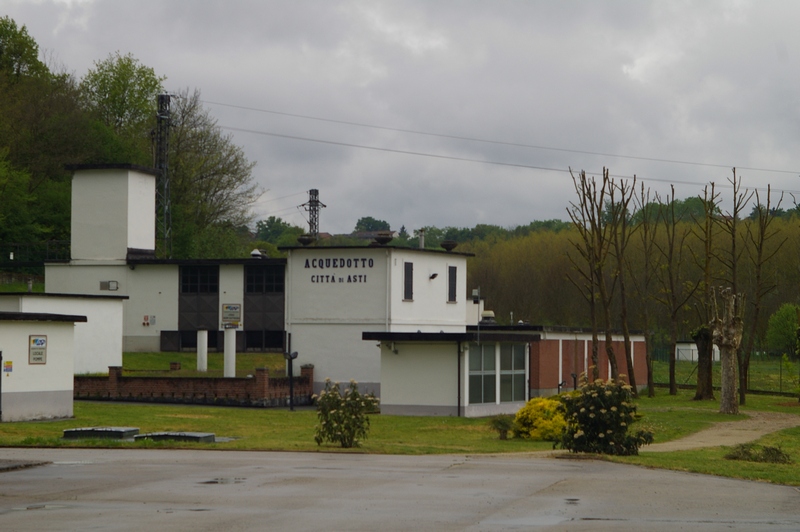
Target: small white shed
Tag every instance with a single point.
(98, 341)
(36, 354)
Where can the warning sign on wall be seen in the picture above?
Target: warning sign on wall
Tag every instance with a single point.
(37, 349)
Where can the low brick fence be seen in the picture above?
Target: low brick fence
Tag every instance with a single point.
(258, 390)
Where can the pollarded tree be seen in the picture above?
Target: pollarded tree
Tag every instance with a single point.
(675, 291)
(761, 249)
(727, 334)
(596, 226)
(705, 228)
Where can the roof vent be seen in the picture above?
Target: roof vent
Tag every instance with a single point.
(487, 317)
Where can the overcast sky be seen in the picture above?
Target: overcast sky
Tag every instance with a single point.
(389, 105)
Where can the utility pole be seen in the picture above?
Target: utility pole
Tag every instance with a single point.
(163, 207)
(313, 207)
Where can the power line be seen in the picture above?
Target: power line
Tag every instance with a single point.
(503, 143)
(481, 161)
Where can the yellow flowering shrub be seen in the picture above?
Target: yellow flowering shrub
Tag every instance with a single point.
(540, 419)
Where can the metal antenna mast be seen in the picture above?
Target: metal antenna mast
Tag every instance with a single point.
(163, 207)
(312, 207)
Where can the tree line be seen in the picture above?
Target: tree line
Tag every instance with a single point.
(50, 119)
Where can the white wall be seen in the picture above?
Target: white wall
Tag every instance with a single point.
(141, 210)
(337, 352)
(98, 341)
(37, 391)
(421, 379)
(83, 278)
(429, 311)
(231, 288)
(320, 290)
(112, 210)
(154, 290)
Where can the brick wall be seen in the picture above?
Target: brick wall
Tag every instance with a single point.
(259, 390)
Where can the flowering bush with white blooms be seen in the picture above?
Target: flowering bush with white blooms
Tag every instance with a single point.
(598, 416)
(342, 417)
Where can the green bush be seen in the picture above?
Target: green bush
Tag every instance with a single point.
(597, 419)
(540, 419)
(752, 453)
(502, 424)
(343, 418)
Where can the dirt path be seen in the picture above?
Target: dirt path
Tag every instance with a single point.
(729, 433)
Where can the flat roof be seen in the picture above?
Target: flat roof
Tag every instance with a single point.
(48, 294)
(432, 337)
(544, 328)
(113, 166)
(41, 316)
(398, 248)
(250, 261)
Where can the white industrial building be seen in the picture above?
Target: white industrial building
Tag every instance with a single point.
(395, 319)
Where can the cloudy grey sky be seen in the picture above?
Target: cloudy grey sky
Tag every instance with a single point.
(454, 113)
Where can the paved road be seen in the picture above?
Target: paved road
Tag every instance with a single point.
(220, 490)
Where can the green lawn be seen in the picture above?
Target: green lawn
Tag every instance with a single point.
(669, 417)
(265, 429)
(143, 364)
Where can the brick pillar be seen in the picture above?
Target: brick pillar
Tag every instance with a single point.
(114, 374)
(308, 371)
(262, 383)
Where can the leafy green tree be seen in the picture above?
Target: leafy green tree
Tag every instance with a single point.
(19, 52)
(273, 229)
(16, 223)
(211, 179)
(368, 223)
(122, 92)
(782, 329)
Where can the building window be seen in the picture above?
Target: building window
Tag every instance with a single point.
(264, 279)
(512, 372)
(452, 271)
(408, 281)
(199, 279)
(482, 374)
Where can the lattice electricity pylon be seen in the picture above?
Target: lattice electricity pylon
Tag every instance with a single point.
(312, 207)
(163, 207)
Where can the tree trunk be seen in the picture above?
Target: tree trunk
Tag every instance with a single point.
(651, 387)
(705, 350)
(729, 403)
(727, 335)
(673, 340)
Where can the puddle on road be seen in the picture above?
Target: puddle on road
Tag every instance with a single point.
(224, 481)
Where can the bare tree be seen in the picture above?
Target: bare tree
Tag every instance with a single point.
(702, 335)
(597, 217)
(759, 236)
(647, 215)
(618, 206)
(730, 226)
(727, 334)
(586, 220)
(675, 290)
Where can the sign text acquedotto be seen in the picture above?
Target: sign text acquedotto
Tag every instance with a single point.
(340, 263)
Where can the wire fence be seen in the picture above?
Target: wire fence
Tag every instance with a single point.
(768, 372)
